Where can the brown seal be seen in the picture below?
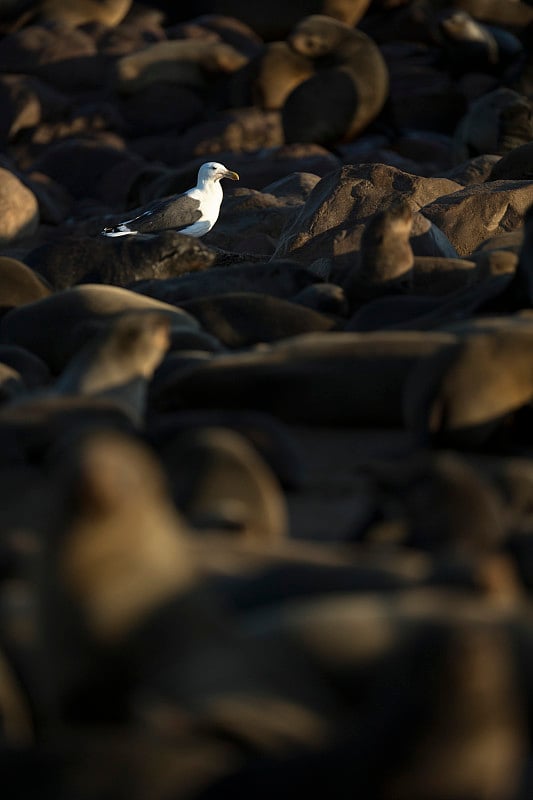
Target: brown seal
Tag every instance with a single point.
(242, 319)
(471, 46)
(315, 379)
(386, 257)
(46, 327)
(223, 484)
(347, 91)
(280, 69)
(467, 393)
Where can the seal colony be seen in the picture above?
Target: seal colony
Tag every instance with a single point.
(194, 212)
(265, 516)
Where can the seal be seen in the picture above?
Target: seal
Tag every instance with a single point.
(277, 277)
(114, 365)
(47, 327)
(347, 91)
(107, 563)
(471, 46)
(339, 379)
(443, 504)
(278, 70)
(221, 483)
(463, 395)
(386, 258)
(72, 260)
(496, 122)
(328, 298)
(120, 360)
(269, 437)
(32, 369)
(103, 387)
(243, 319)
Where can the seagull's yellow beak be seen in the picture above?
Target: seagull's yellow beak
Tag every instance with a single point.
(229, 174)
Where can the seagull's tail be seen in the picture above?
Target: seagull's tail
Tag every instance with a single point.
(118, 230)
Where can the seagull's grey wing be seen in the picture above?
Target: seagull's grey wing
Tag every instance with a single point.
(175, 213)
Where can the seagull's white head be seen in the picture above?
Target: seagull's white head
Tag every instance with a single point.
(213, 171)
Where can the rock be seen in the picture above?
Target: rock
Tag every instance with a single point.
(19, 284)
(22, 107)
(248, 212)
(331, 222)
(161, 106)
(90, 169)
(474, 170)
(477, 212)
(85, 12)
(238, 131)
(422, 96)
(516, 165)
(296, 186)
(19, 210)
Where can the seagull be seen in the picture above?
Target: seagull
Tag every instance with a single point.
(194, 212)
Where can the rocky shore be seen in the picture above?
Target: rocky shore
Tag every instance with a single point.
(266, 495)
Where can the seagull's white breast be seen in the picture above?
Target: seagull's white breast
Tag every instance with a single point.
(210, 198)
